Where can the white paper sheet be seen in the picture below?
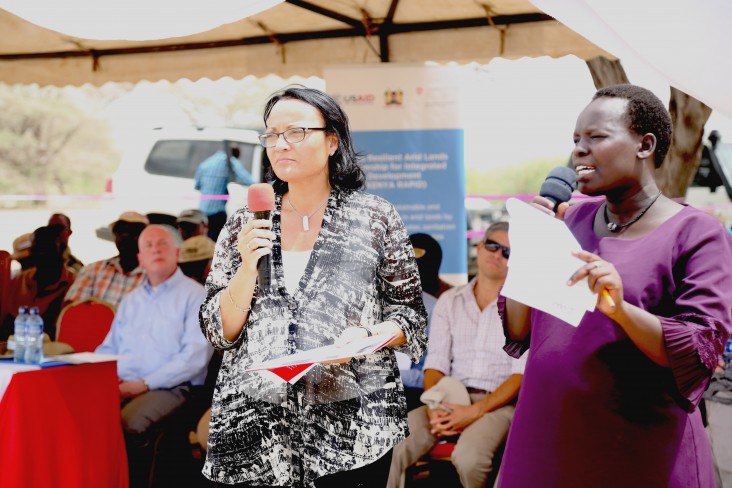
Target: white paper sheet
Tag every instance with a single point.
(83, 357)
(403, 361)
(541, 264)
(292, 367)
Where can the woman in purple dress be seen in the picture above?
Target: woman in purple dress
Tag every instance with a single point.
(613, 402)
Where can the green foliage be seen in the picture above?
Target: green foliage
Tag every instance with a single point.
(60, 140)
(526, 177)
(52, 141)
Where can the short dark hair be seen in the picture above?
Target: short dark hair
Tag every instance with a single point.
(46, 239)
(646, 113)
(60, 216)
(502, 225)
(344, 170)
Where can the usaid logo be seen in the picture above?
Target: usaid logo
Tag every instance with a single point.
(393, 97)
(356, 99)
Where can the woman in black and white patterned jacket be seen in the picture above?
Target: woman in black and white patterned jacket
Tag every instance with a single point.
(343, 268)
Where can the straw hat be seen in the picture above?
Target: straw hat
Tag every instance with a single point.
(131, 217)
(196, 248)
(22, 245)
(194, 216)
(449, 390)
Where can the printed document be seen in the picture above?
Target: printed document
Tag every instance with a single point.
(292, 367)
(541, 263)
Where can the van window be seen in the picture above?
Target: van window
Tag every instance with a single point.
(180, 158)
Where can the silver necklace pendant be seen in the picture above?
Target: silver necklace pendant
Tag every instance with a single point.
(306, 218)
(612, 226)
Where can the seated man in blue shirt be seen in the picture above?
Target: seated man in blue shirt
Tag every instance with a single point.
(212, 178)
(157, 334)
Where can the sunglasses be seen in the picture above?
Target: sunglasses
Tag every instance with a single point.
(493, 246)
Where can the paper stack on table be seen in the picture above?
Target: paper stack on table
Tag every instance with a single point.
(292, 367)
(541, 264)
(84, 357)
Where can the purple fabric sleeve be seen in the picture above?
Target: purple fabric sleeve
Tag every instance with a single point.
(695, 336)
(513, 348)
(693, 344)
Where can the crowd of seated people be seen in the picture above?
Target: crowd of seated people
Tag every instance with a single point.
(153, 277)
(465, 350)
(154, 284)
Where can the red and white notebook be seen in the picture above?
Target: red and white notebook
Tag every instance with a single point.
(292, 367)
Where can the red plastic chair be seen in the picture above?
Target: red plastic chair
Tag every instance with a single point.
(84, 325)
(442, 451)
(5, 261)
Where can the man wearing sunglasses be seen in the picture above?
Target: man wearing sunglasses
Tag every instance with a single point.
(466, 343)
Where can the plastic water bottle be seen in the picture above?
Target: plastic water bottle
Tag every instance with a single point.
(21, 332)
(34, 341)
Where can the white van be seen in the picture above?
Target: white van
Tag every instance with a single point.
(157, 175)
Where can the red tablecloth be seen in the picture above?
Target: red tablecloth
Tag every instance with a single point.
(60, 427)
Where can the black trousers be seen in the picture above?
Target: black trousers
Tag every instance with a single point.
(374, 475)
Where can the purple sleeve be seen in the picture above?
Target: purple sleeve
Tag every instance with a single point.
(513, 347)
(693, 344)
(694, 337)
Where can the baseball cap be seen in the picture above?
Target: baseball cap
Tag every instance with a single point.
(131, 217)
(196, 248)
(22, 245)
(449, 390)
(193, 216)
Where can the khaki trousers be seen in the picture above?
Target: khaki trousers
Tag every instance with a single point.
(142, 412)
(473, 454)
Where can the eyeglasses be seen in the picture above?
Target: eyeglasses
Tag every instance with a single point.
(493, 246)
(293, 136)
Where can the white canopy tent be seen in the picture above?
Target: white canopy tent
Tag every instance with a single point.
(688, 42)
(294, 37)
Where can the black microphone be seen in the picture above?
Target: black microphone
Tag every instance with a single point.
(261, 201)
(559, 185)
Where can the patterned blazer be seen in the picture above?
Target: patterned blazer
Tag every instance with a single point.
(362, 271)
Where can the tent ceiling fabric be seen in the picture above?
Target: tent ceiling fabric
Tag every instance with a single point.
(297, 37)
(136, 20)
(687, 42)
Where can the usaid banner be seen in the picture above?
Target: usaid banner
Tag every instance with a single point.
(406, 122)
